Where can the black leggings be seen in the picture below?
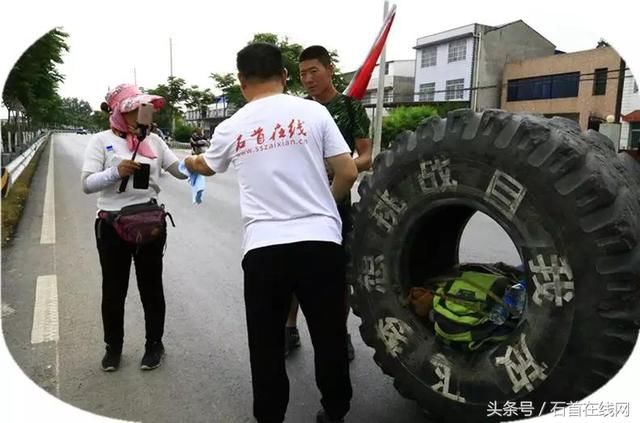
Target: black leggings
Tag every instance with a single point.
(315, 272)
(115, 260)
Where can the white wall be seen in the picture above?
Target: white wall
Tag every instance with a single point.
(396, 68)
(630, 102)
(444, 71)
(402, 68)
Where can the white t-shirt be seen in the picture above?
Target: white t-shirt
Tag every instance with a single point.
(106, 149)
(277, 145)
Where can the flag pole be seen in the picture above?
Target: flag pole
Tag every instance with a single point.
(377, 128)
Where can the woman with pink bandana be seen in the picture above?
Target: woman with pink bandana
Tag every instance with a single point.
(106, 163)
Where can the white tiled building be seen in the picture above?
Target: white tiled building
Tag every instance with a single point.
(630, 130)
(465, 64)
(444, 63)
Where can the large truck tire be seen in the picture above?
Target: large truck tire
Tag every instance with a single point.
(572, 209)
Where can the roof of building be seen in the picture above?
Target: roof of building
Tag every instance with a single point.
(568, 55)
(483, 28)
(517, 22)
(632, 117)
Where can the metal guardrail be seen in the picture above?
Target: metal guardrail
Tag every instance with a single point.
(13, 170)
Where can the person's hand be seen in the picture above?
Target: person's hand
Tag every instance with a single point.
(127, 168)
(188, 162)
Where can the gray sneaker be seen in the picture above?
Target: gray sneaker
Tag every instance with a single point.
(111, 359)
(152, 356)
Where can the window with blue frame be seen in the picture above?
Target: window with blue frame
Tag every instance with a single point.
(546, 87)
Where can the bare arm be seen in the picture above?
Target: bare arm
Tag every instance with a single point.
(345, 174)
(364, 147)
(173, 170)
(198, 165)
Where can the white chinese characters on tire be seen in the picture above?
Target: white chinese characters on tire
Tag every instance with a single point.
(443, 372)
(558, 285)
(387, 210)
(395, 334)
(372, 274)
(521, 367)
(505, 193)
(435, 175)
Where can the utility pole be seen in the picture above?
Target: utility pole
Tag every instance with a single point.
(377, 128)
(173, 118)
(135, 77)
(170, 57)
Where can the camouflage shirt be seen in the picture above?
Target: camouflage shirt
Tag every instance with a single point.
(353, 122)
(351, 118)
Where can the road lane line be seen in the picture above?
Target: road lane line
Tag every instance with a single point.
(48, 234)
(57, 373)
(45, 311)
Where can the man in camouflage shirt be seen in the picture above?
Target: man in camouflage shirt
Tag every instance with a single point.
(316, 71)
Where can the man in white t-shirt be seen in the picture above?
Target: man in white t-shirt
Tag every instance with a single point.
(292, 231)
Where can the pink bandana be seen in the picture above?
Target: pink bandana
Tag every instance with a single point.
(125, 98)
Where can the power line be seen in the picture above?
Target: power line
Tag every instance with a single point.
(507, 85)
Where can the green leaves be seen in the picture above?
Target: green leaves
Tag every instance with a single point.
(403, 119)
(229, 86)
(32, 84)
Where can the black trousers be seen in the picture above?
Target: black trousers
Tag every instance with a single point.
(344, 210)
(315, 273)
(115, 260)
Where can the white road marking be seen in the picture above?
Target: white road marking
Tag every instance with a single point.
(48, 234)
(45, 311)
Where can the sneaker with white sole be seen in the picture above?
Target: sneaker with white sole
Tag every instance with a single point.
(111, 359)
(152, 356)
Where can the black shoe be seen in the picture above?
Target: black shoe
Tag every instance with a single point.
(291, 339)
(322, 417)
(111, 359)
(351, 354)
(152, 356)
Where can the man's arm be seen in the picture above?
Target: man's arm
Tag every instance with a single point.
(364, 147)
(197, 164)
(345, 174)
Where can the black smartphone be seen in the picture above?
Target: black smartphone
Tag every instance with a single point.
(141, 177)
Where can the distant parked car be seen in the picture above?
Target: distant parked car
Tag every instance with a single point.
(81, 131)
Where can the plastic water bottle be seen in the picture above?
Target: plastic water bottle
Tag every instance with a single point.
(516, 297)
(498, 314)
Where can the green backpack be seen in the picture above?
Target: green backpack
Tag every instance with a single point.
(461, 306)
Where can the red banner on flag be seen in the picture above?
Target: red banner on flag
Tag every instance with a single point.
(358, 85)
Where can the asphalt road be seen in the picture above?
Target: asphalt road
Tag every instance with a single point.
(205, 376)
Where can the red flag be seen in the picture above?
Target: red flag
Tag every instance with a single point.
(358, 85)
